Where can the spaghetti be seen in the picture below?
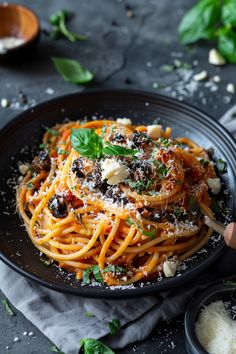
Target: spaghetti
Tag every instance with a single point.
(113, 202)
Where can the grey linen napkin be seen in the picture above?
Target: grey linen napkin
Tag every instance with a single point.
(62, 317)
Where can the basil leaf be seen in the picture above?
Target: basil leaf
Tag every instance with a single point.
(72, 37)
(57, 16)
(117, 150)
(93, 346)
(97, 273)
(199, 21)
(151, 234)
(227, 44)
(86, 276)
(204, 162)
(7, 306)
(72, 71)
(228, 14)
(114, 325)
(86, 142)
(222, 166)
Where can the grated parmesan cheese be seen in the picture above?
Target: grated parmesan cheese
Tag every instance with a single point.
(215, 330)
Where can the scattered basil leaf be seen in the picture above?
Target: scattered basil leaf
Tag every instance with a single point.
(222, 166)
(150, 234)
(52, 131)
(199, 22)
(114, 325)
(30, 185)
(114, 269)
(129, 221)
(93, 346)
(229, 12)
(86, 276)
(165, 142)
(7, 306)
(117, 150)
(58, 20)
(72, 71)
(88, 314)
(54, 349)
(87, 142)
(46, 262)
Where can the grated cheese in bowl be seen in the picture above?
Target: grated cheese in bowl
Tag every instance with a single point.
(215, 329)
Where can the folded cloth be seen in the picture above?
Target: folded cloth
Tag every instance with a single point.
(62, 318)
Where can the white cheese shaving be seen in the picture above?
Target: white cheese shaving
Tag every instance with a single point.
(154, 131)
(200, 76)
(23, 168)
(230, 88)
(215, 330)
(169, 268)
(214, 184)
(124, 121)
(113, 171)
(215, 58)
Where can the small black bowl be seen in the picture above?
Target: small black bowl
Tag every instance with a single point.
(226, 293)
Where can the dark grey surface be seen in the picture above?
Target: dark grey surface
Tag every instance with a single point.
(135, 49)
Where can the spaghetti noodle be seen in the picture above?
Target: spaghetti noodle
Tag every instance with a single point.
(112, 201)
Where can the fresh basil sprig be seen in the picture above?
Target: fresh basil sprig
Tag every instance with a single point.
(114, 325)
(58, 21)
(211, 19)
(92, 346)
(72, 71)
(89, 144)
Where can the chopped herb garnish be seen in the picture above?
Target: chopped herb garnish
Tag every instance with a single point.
(140, 186)
(129, 221)
(7, 306)
(46, 262)
(43, 146)
(54, 349)
(93, 346)
(114, 269)
(178, 212)
(79, 217)
(88, 314)
(53, 132)
(62, 151)
(204, 162)
(167, 68)
(114, 325)
(95, 271)
(222, 166)
(30, 185)
(89, 144)
(161, 168)
(165, 142)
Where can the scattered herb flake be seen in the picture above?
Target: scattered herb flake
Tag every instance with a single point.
(54, 349)
(53, 132)
(30, 185)
(167, 68)
(88, 314)
(204, 162)
(222, 166)
(7, 306)
(94, 346)
(115, 269)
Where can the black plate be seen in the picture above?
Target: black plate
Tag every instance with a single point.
(27, 129)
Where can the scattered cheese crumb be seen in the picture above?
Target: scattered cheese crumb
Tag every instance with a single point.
(154, 131)
(200, 76)
(214, 184)
(215, 330)
(216, 78)
(16, 339)
(113, 171)
(230, 88)
(25, 333)
(215, 58)
(124, 121)
(4, 102)
(23, 168)
(30, 334)
(169, 268)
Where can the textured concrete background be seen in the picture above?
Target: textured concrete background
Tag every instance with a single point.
(128, 43)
